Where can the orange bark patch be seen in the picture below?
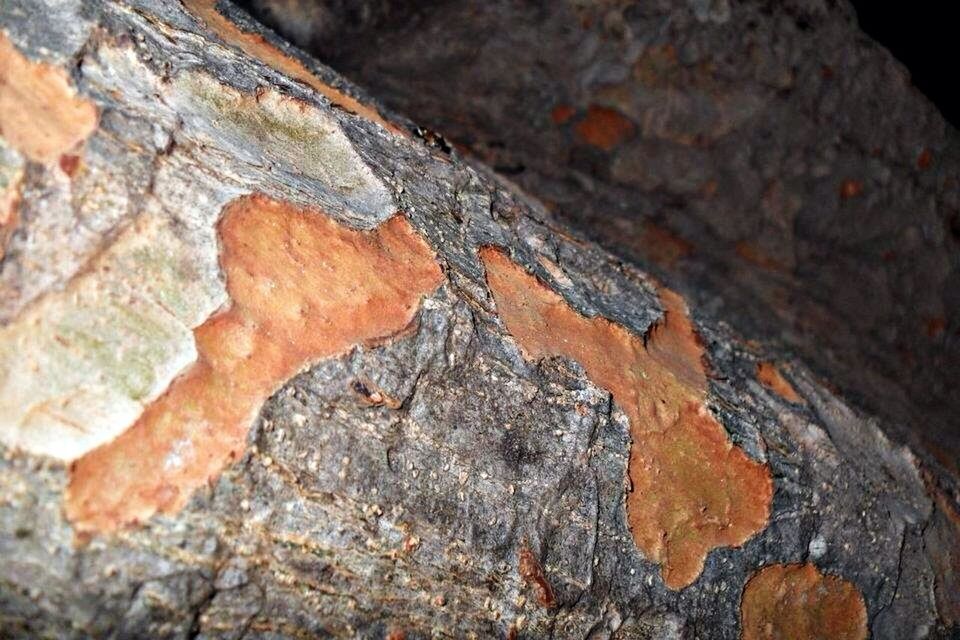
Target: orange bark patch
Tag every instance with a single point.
(934, 327)
(769, 375)
(258, 47)
(797, 602)
(604, 128)
(692, 490)
(850, 188)
(562, 113)
(662, 245)
(925, 159)
(40, 114)
(302, 288)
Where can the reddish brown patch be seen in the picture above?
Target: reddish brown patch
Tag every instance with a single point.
(935, 327)
(925, 159)
(850, 188)
(69, 164)
(757, 256)
(256, 46)
(562, 113)
(604, 128)
(662, 245)
(529, 568)
(693, 490)
(709, 188)
(769, 375)
(797, 602)
(40, 114)
(302, 288)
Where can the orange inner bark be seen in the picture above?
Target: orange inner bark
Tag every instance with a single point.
(302, 288)
(40, 114)
(769, 375)
(797, 602)
(692, 490)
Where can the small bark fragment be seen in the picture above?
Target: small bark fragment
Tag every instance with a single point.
(302, 288)
(604, 127)
(769, 375)
(40, 114)
(797, 602)
(693, 490)
(529, 568)
(256, 46)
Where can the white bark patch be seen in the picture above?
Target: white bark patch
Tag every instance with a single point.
(78, 367)
(280, 134)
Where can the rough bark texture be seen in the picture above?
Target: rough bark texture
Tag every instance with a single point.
(468, 474)
(765, 158)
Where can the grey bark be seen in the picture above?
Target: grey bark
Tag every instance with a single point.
(750, 116)
(308, 535)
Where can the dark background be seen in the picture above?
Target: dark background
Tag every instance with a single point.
(923, 36)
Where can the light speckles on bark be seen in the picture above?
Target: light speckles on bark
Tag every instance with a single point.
(302, 288)
(692, 489)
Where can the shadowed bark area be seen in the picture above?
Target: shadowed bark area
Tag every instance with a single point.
(765, 158)
(481, 424)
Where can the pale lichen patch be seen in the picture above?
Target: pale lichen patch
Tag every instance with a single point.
(78, 365)
(302, 288)
(692, 489)
(797, 602)
(272, 129)
(256, 46)
(40, 114)
(769, 375)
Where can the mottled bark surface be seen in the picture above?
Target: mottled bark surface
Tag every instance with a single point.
(765, 158)
(458, 476)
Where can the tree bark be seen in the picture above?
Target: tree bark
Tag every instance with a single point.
(276, 363)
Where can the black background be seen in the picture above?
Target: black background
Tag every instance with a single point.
(923, 35)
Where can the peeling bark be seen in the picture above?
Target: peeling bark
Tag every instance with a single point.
(276, 407)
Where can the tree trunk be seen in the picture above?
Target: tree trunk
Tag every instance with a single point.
(276, 363)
